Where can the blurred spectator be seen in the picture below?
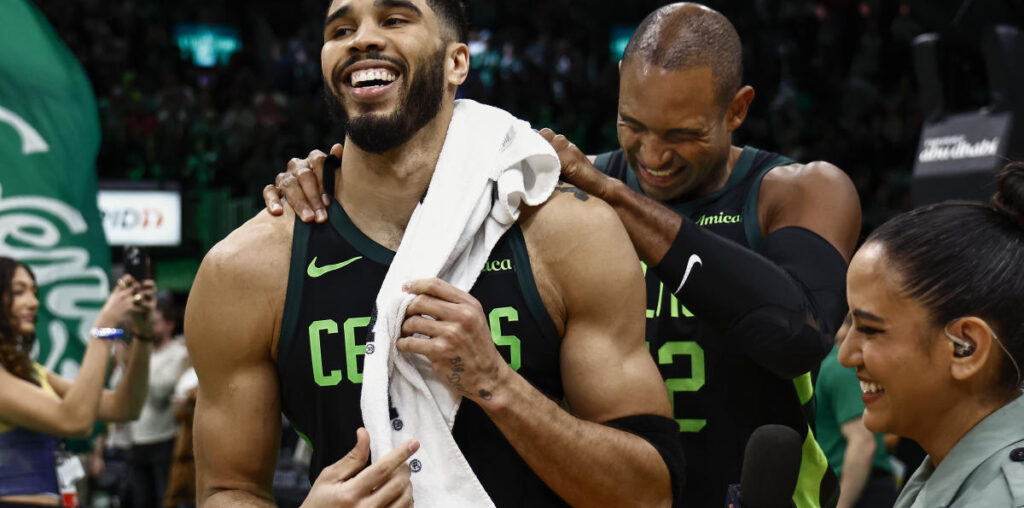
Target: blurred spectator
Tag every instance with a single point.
(181, 484)
(108, 464)
(153, 433)
(39, 407)
(858, 457)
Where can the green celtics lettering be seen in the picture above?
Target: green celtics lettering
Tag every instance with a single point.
(322, 330)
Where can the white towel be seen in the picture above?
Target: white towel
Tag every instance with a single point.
(450, 236)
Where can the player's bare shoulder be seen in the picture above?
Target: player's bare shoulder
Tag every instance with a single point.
(256, 251)
(569, 214)
(817, 195)
(243, 280)
(570, 238)
(570, 223)
(810, 176)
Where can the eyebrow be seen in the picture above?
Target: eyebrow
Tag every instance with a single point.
(340, 13)
(867, 315)
(630, 119)
(380, 4)
(399, 4)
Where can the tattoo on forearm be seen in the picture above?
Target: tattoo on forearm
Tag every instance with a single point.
(575, 191)
(486, 395)
(455, 378)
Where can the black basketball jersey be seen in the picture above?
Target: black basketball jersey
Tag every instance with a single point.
(719, 396)
(336, 272)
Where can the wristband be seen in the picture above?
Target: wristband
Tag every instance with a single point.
(107, 333)
(663, 434)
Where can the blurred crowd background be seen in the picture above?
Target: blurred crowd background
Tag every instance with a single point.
(834, 81)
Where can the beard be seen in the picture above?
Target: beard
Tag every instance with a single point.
(418, 104)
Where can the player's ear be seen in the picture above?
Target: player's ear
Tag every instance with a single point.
(738, 108)
(457, 63)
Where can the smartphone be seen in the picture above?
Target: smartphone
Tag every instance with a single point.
(137, 263)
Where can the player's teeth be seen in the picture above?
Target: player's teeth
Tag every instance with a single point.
(659, 173)
(867, 387)
(371, 75)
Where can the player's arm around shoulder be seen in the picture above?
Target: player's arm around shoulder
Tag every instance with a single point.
(231, 325)
(817, 196)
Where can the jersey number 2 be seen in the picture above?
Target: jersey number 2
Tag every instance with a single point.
(667, 354)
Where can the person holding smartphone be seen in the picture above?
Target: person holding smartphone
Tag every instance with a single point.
(154, 432)
(39, 407)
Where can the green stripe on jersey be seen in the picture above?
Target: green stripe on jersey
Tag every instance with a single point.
(293, 295)
(304, 437)
(528, 286)
(813, 468)
(804, 388)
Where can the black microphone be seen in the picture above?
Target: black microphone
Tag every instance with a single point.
(771, 465)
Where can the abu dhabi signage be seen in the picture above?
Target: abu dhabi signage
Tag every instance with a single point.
(958, 156)
(957, 148)
(964, 142)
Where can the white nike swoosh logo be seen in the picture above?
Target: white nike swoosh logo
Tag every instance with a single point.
(694, 260)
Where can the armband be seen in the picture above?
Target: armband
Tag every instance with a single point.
(663, 434)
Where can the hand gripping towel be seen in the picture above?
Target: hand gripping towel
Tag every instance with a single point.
(491, 164)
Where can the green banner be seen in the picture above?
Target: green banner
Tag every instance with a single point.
(49, 139)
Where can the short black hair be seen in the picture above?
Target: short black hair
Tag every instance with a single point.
(452, 14)
(963, 258)
(685, 36)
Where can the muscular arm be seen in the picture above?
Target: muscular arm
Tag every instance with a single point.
(591, 283)
(231, 320)
(860, 450)
(606, 369)
(781, 304)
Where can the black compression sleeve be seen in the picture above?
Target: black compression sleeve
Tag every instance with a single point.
(819, 269)
(780, 308)
(663, 434)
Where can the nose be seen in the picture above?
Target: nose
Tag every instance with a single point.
(654, 154)
(367, 38)
(33, 302)
(850, 350)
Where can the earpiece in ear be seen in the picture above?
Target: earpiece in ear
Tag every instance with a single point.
(961, 348)
(963, 351)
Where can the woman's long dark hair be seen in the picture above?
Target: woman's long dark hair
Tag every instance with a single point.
(965, 258)
(15, 347)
